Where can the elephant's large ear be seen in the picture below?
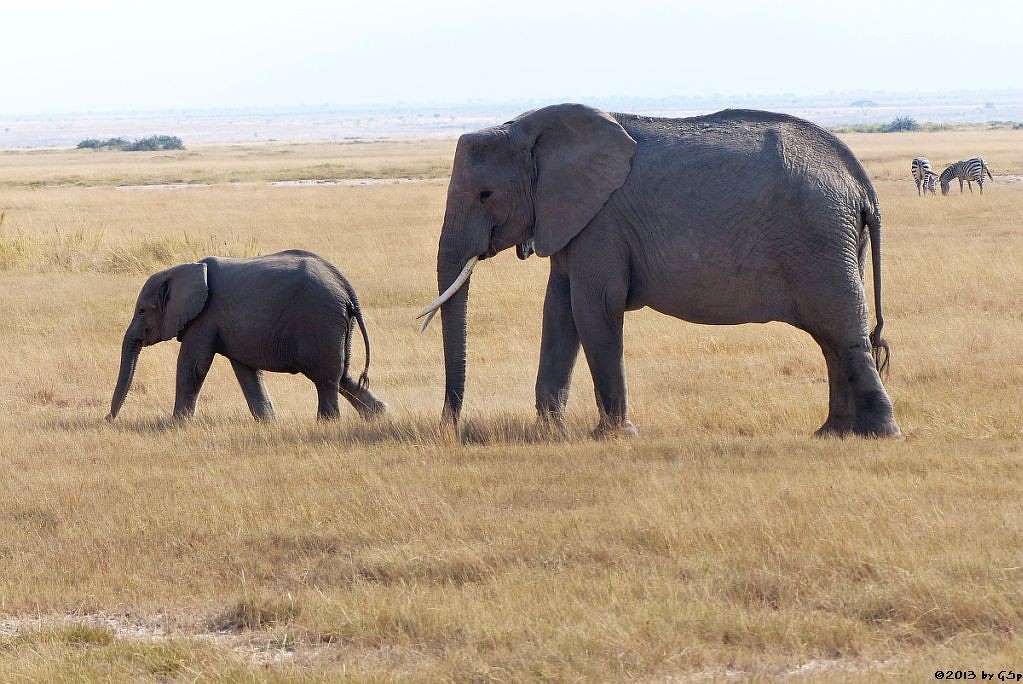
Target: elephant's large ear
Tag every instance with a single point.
(582, 155)
(184, 293)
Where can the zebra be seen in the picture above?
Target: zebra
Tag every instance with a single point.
(965, 170)
(923, 175)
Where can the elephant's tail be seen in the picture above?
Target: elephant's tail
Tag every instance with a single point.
(357, 315)
(880, 349)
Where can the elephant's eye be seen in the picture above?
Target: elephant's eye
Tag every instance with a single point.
(484, 194)
(142, 312)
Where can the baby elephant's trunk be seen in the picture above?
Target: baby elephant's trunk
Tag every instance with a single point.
(130, 349)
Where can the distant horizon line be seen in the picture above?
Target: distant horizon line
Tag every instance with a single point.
(715, 99)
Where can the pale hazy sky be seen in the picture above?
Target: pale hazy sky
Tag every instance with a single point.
(112, 55)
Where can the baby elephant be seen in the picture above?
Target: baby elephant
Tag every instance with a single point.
(289, 312)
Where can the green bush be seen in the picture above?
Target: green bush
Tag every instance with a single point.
(902, 123)
(151, 144)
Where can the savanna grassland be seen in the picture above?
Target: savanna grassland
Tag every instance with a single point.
(724, 542)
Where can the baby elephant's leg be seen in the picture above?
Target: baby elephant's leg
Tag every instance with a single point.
(251, 380)
(327, 408)
(364, 401)
(194, 360)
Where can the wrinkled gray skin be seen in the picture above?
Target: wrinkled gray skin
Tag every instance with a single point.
(735, 217)
(290, 312)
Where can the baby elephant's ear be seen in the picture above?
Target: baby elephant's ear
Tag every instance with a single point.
(184, 293)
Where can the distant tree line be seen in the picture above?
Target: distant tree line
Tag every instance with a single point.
(907, 123)
(151, 144)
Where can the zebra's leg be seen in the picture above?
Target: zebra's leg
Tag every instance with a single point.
(970, 183)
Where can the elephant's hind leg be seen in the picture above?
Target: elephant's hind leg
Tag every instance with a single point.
(251, 381)
(841, 413)
(327, 407)
(365, 402)
(851, 359)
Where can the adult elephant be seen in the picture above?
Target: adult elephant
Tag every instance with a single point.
(735, 217)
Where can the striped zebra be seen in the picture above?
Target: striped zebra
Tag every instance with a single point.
(965, 170)
(923, 176)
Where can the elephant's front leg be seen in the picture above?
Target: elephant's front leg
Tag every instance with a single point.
(194, 361)
(599, 318)
(251, 381)
(559, 347)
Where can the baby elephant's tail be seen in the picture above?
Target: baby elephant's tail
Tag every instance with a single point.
(356, 314)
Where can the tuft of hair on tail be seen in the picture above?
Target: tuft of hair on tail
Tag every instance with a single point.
(881, 352)
(357, 311)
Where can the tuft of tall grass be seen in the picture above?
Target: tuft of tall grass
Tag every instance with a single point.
(153, 252)
(83, 250)
(249, 614)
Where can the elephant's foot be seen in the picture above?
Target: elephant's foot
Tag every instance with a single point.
(373, 408)
(883, 427)
(875, 417)
(834, 427)
(263, 413)
(549, 425)
(608, 429)
(362, 400)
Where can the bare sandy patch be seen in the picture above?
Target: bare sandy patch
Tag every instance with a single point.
(349, 182)
(164, 186)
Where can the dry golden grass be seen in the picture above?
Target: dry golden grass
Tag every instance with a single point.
(723, 541)
(226, 163)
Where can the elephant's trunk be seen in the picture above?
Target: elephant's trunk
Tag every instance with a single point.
(130, 349)
(453, 322)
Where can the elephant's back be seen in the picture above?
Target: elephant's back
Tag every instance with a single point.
(292, 272)
(279, 291)
(736, 145)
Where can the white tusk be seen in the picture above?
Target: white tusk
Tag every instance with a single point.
(447, 294)
(429, 318)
